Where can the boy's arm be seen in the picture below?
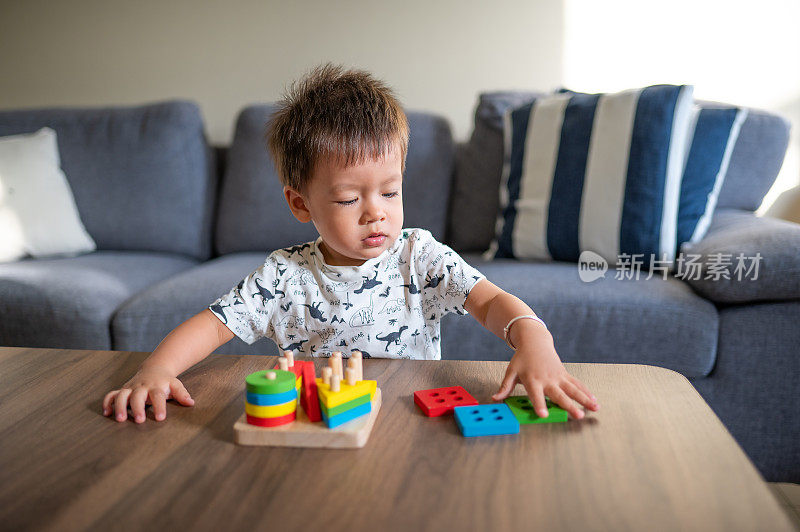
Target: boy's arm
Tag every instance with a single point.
(156, 381)
(189, 343)
(535, 363)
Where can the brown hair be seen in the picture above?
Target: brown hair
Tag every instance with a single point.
(331, 112)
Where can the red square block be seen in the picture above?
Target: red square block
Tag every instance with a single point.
(440, 401)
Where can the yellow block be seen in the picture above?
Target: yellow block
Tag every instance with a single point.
(271, 411)
(346, 392)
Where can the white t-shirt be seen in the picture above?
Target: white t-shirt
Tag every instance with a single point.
(388, 307)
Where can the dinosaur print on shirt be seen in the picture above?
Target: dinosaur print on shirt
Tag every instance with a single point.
(392, 338)
(262, 291)
(390, 306)
(434, 281)
(368, 283)
(314, 311)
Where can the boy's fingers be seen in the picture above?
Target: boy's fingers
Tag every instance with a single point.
(108, 400)
(121, 404)
(137, 404)
(558, 396)
(506, 386)
(179, 393)
(159, 400)
(536, 395)
(581, 386)
(577, 394)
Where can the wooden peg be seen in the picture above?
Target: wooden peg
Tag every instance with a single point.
(326, 375)
(335, 383)
(351, 376)
(290, 357)
(283, 363)
(271, 375)
(357, 359)
(337, 364)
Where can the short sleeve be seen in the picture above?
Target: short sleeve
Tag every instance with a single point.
(246, 310)
(448, 278)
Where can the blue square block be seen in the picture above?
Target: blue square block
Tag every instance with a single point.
(344, 417)
(486, 420)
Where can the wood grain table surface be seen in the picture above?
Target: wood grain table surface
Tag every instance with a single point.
(654, 457)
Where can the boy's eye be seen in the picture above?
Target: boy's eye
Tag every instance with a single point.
(385, 195)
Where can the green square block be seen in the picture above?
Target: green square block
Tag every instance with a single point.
(522, 409)
(344, 407)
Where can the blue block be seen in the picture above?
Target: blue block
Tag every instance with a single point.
(272, 399)
(486, 420)
(344, 417)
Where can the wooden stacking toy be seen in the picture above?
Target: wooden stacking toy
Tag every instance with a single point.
(337, 410)
(344, 400)
(307, 387)
(271, 397)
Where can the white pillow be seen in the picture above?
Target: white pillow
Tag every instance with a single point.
(38, 215)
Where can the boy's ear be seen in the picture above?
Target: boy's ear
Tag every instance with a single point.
(297, 204)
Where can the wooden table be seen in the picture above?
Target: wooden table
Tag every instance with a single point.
(654, 457)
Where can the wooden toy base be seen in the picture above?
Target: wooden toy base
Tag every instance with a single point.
(303, 433)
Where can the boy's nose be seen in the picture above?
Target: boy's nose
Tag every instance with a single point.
(374, 216)
(373, 213)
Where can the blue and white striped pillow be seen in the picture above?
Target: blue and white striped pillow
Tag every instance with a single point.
(714, 132)
(599, 172)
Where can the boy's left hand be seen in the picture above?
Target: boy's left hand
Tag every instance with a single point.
(539, 369)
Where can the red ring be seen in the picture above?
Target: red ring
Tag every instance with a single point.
(271, 421)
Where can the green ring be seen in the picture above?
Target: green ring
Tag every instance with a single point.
(259, 383)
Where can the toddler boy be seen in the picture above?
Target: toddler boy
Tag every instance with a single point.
(339, 141)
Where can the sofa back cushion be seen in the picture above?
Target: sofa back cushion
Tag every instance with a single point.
(475, 199)
(754, 164)
(253, 215)
(756, 159)
(142, 177)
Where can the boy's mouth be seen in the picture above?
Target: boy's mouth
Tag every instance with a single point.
(375, 239)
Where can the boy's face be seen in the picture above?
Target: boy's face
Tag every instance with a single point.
(358, 211)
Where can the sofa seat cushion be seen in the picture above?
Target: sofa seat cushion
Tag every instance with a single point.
(657, 321)
(149, 316)
(69, 302)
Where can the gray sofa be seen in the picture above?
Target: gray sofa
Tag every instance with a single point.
(178, 223)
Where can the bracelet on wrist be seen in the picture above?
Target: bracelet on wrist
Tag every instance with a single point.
(507, 328)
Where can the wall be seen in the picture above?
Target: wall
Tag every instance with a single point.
(225, 55)
(438, 55)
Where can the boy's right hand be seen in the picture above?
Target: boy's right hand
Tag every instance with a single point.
(153, 385)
